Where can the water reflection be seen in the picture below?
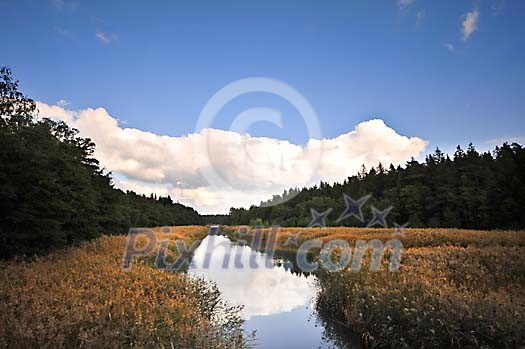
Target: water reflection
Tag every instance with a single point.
(278, 302)
(263, 290)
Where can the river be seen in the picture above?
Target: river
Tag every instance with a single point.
(278, 302)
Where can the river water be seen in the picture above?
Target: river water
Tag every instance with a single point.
(278, 303)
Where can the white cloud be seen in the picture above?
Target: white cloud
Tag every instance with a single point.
(404, 3)
(253, 168)
(55, 112)
(261, 291)
(469, 24)
(106, 38)
(63, 103)
(449, 46)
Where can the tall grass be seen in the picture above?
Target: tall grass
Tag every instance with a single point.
(80, 297)
(455, 288)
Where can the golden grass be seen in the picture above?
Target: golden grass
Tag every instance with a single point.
(455, 288)
(80, 297)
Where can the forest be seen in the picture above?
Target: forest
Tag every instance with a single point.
(53, 192)
(470, 190)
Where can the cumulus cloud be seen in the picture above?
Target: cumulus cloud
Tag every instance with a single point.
(266, 291)
(469, 24)
(55, 112)
(250, 168)
(449, 46)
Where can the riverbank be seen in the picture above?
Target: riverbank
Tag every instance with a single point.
(80, 297)
(454, 288)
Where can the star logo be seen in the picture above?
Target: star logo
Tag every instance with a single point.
(353, 208)
(292, 239)
(379, 217)
(399, 229)
(318, 218)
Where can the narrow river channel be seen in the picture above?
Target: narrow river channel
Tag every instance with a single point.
(278, 302)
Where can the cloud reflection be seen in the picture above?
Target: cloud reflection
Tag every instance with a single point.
(263, 290)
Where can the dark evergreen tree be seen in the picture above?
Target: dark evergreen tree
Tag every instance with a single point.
(472, 190)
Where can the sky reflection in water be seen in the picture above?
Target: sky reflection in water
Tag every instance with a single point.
(277, 303)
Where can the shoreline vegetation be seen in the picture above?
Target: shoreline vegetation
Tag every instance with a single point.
(455, 288)
(53, 191)
(80, 297)
(470, 190)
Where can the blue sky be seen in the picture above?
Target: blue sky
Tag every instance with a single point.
(155, 65)
(353, 60)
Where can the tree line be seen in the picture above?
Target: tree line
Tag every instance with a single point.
(470, 190)
(53, 191)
